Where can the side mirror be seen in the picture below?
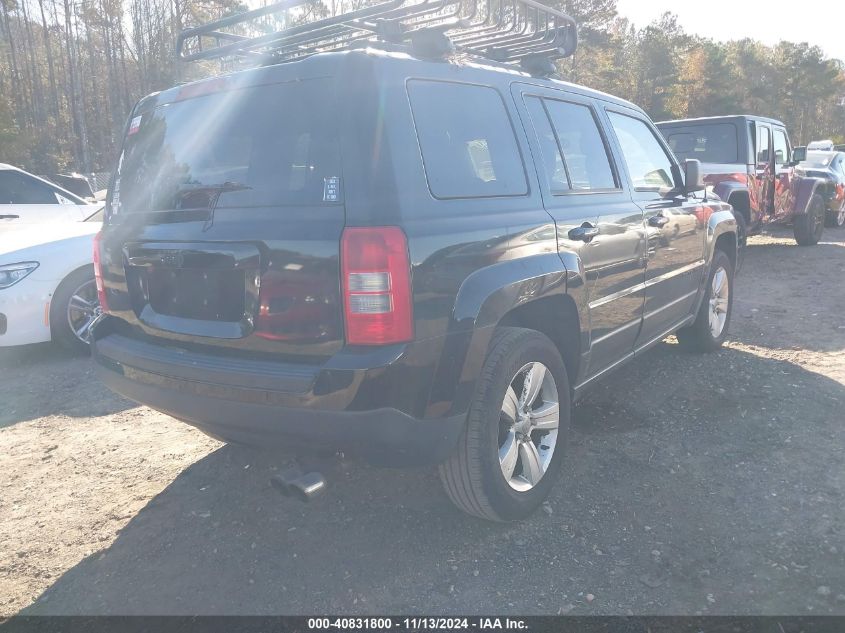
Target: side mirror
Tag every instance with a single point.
(693, 180)
(799, 154)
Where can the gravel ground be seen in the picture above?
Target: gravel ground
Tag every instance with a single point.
(694, 485)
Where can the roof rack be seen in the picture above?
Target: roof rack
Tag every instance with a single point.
(501, 30)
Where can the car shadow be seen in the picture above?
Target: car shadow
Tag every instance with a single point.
(697, 486)
(45, 379)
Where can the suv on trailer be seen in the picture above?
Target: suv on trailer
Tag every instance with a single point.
(748, 162)
(419, 261)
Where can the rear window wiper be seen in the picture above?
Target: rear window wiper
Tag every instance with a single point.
(214, 191)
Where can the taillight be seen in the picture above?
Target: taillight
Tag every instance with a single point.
(98, 275)
(376, 286)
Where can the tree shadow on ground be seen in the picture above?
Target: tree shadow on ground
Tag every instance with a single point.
(713, 492)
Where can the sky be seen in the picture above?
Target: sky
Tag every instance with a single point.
(819, 23)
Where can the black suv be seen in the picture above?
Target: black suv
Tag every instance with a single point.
(417, 261)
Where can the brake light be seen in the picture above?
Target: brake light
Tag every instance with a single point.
(376, 274)
(98, 275)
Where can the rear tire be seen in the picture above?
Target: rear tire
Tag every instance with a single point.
(710, 328)
(495, 441)
(809, 226)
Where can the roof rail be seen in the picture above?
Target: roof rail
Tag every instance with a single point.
(501, 30)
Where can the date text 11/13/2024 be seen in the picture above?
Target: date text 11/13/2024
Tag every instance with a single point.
(417, 623)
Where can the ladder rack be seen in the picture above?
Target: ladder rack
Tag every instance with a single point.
(501, 30)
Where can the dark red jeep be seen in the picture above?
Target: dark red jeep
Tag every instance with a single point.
(747, 161)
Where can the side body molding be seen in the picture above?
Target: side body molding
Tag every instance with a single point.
(721, 222)
(805, 189)
(483, 299)
(726, 188)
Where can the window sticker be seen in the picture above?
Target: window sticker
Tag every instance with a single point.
(134, 126)
(331, 189)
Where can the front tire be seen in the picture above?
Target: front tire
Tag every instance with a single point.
(73, 308)
(710, 328)
(512, 448)
(809, 226)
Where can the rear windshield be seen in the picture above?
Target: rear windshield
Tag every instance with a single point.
(714, 143)
(260, 146)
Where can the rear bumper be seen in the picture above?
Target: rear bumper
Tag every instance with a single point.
(356, 410)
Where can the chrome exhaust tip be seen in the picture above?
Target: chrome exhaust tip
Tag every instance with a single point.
(304, 487)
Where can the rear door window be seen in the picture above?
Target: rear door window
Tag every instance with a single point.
(19, 188)
(573, 151)
(467, 141)
(583, 148)
(550, 152)
(272, 145)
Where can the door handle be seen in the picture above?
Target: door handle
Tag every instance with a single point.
(584, 233)
(658, 220)
(9, 217)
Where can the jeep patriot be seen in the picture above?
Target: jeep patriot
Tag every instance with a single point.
(416, 260)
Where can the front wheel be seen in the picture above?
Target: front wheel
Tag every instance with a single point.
(809, 226)
(710, 328)
(511, 451)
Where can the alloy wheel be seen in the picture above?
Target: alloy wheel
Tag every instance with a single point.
(82, 309)
(719, 301)
(528, 426)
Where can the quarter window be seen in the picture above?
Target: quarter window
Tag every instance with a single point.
(467, 141)
(649, 166)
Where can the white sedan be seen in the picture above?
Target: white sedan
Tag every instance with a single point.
(28, 199)
(47, 289)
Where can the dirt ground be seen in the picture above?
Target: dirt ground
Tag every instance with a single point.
(694, 484)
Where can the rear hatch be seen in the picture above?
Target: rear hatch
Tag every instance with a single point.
(225, 219)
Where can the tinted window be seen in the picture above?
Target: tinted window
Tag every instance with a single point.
(467, 141)
(818, 159)
(552, 161)
(715, 143)
(781, 147)
(762, 144)
(581, 144)
(648, 164)
(18, 188)
(262, 146)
